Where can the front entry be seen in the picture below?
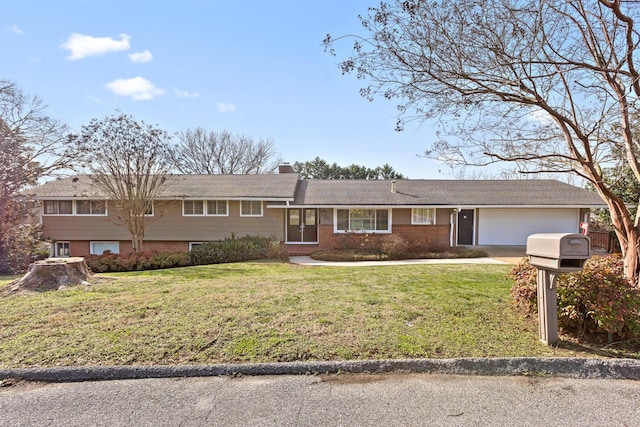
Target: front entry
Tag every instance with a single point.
(302, 225)
(465, 227)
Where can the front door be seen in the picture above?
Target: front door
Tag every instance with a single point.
(302, 225)
(465, 227)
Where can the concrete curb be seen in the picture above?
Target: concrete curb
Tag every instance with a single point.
(553, 367)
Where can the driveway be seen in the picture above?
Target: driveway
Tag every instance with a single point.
(509, 254)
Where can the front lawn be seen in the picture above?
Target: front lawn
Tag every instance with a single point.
(270, 311)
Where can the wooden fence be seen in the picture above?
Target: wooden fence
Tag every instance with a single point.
(604, 240)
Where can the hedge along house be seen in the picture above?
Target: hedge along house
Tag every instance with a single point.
(314, 214)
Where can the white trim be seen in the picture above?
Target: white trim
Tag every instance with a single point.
(217, 200)
(338, 231)
(432, 219)
(92, 244)
(512, 226)
(75, 207)
(252, 215)
(286, 228)
(204, 209)
(473, 230)
(191, 244)
(234, 198)
(320, 206)
(44, 209)
(153, 209)
(56, 251)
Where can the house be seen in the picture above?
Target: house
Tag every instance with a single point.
(312, 214)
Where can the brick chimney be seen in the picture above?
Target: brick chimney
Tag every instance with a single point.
(285, 168)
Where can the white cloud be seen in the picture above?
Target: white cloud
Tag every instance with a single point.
(82, 46)
(225, 108)
(185, 94)
(141, 57)
(14, 29)
(137, 88)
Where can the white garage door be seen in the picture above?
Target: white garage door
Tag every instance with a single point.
(512, 226)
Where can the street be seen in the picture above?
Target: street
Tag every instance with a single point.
(325, 400)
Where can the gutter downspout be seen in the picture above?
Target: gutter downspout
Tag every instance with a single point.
(452, 218)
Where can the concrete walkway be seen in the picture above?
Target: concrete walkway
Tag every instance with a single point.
(497, 255)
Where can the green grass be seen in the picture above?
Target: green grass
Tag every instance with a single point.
(270, 311)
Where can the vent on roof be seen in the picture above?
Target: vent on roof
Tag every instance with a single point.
(393, 186)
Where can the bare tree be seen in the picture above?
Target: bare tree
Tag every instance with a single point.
(129, 163)
(32, 146)
(540, 84)
(207, 152)
(42, 138)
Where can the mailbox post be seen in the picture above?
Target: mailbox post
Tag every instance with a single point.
(554, 254)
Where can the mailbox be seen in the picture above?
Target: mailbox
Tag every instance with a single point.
(554, 254)
(561, 252)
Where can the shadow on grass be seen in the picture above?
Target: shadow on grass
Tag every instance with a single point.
(629, 349)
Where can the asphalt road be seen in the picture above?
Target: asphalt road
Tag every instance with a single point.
(390, 399)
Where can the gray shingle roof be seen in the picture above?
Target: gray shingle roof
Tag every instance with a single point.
(445, 193)
(281, 187)
(264, 187)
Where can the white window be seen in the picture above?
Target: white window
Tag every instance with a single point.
(204, 207)
(250, 208)
(58, 207)
(149, 209)
(61, 249)
(192, 207)
(98, 248)
(91, 207)
(194, 244)
(217, 207)
(365, 220)
(75, 207)
(423, 216)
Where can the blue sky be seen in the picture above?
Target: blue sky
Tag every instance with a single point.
(255, 68)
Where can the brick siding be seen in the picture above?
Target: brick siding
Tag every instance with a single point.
(428, 235)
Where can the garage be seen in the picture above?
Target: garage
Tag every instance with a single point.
(512, 226)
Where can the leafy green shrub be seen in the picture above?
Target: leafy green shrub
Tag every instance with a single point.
(231, 250)
(596, 299)
(600, 298)
(145, 260)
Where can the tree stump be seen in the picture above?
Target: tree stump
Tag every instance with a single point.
(54, 274)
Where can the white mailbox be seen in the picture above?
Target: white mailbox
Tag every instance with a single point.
(562, 252)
